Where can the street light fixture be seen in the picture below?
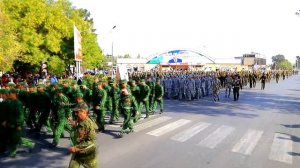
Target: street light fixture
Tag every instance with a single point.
(112, 54)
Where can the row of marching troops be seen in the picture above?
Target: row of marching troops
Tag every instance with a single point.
(194, 85)
(52, 106)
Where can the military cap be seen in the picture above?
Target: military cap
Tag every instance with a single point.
(81, 106)
(65, 81)
(22, 83)
(13, 91)
(11, 84)
(32, 85)
(40, 85)
(5, 91)
(112, 81)
(124, 81)
(73, 82)
(79, 95)
(59, 90)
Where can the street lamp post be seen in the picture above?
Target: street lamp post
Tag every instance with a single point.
(112, 55)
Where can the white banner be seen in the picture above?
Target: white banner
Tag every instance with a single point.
(123, 71)
(77, 45)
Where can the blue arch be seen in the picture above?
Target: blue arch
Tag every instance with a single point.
(159, 57)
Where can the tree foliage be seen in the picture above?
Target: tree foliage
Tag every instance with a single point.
(9, 46)
(284, 65)
(56, 66)
(280, 63)
(42, 29)
(277, 58)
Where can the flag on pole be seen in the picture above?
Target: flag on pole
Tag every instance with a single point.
(77, 45)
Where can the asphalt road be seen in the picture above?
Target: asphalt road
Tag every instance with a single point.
(261, 130)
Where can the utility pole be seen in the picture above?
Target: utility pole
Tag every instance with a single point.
(112, 55)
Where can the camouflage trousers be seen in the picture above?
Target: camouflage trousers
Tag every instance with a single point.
(76, 162)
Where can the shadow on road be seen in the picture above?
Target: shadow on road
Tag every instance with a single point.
(291, 126)
(293, 137)
(114, 133)
(294, 153)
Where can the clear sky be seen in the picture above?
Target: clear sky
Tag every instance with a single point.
(218, 28)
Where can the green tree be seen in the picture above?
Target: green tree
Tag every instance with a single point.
(9, 46)
(56, 66)
(44, 29)
(284, 65)
(276, 59)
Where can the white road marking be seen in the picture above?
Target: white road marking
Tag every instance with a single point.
(190, 132)
(169, 127)
(216, 137)
(282, 145)
(248, 142)
(150, 123)
(118, 124)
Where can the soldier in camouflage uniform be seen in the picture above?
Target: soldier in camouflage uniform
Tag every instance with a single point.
(144, 93)
(60, 114)
(31, 121)
(129, 109)
(15, 123)
(99, 106)
(151, 85)
(3, 119)
(115, 96)
(158, 96)
(43, 106)
(84, 149)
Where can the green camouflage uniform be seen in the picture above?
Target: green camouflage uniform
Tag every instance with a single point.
(43, 102)
(151, 85)
(135, 91)
(15, 127)
(85, 141)
(99, 108)
(129, 107)
(158, 98)
(115, 96)
(60, 114)
(145, 93)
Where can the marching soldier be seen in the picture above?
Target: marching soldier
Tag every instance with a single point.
(263, 81)
(43, 106)
(84, 148)
(216, 88)
(115, 96)
(99, 106)
(151, 85)
(32, 108)
(158, 97)
(60, 114)
(4, 106)
(228, 85)
(277, 77)
(237, 85)
(144, 93)
(15, 123)
(129, 108)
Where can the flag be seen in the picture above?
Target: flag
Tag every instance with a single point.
(77, 45)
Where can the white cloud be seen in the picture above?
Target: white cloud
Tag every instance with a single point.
(226, 28)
